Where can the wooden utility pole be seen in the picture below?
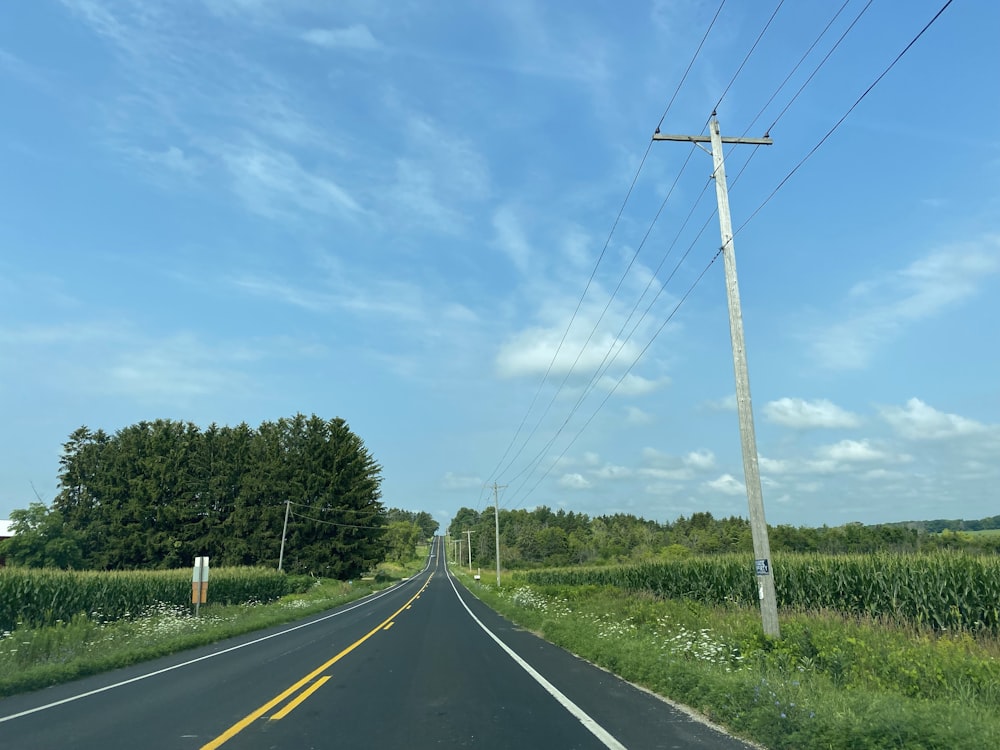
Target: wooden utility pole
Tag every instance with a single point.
(748, 438)
(496, 520)
(468, 534)
(284, 532)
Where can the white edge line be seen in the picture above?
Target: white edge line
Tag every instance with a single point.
(366, 600)
(602, 734)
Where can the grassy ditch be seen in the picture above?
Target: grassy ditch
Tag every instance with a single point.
(831, 682)
(85, 644)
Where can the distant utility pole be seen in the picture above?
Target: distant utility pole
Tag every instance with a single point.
(284, 531)
(496, 520)
(748, 439)
(468, 533)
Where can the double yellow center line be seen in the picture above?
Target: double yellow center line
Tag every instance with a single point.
(282, 696)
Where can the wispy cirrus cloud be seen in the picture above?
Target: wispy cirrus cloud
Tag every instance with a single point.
(273, 183)
(356, 37)
(879, 309)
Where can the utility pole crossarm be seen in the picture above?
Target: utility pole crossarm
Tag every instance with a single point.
(708, 139)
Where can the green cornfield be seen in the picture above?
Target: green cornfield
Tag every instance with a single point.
(943, 591)
(34, 598)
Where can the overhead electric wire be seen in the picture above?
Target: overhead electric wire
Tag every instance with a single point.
(820, 65)
(747, 57)
(799, 64)
(690, 65)
(624, 375)
(621, 343)
(296, 514)
(598, 374)
(839, 122)
(600, 319)
(600, 258)
(618, 341)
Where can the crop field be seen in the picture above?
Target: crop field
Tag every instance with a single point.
(943, 591)
(35, 598)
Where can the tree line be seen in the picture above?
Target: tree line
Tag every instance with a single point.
(157, 494)
(546, 538)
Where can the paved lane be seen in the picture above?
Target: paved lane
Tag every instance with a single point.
(420, 666)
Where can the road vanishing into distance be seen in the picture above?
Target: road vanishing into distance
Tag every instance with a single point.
(421, 665)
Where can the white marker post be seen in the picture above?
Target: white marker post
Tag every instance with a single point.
(199, 583)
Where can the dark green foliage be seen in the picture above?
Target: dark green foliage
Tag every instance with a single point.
(157, 494)
(41, 540)
(401, 539)
(423, 520)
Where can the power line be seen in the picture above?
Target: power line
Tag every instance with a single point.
(621, 343)
(799, 64)
(600, 319)
(624, 375)
(747, 57)
(593, 274)
(839, 122)
(821, 62)
(690, 64)
(331, 523)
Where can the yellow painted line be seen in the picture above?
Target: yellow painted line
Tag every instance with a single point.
(389, 625)
(292, 704)
(250, 718)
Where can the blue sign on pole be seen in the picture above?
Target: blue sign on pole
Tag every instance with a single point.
(763, 567)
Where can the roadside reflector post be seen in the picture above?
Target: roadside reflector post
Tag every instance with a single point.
(199, 583)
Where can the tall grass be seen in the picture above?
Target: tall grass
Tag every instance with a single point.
(36, 598)
(943, 590)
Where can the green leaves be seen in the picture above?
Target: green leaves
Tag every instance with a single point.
(157, 494)
(943, 591)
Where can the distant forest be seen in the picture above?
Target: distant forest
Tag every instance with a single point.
(942, 524)
(543, 537)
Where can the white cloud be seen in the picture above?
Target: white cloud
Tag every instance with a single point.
(610, 471)
(453, 481)
(274, 184)
(726, 403)
(530, 352)
(633, 385)
(574, 481)
(918, 421)
(726, 484)
(801, 414)
(850, 451)
(636, 416)
(675, 475)
(774, 465)
(357, 37)
(884, 306)
(174, 370)
(511, 238)
(702, 460)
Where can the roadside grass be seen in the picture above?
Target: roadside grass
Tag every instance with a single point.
(33, 658)
(831, 682)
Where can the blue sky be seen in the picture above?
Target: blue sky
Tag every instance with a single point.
(236, 210)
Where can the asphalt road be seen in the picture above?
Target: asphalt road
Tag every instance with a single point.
(421, 665)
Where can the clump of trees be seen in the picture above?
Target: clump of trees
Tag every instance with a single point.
(546, 538)
(157, 494)
(405, 530)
